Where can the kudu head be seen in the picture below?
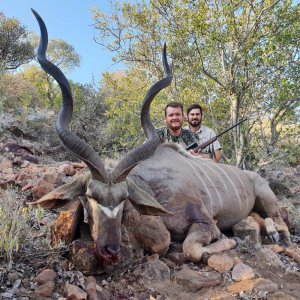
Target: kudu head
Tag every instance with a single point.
(103, 192)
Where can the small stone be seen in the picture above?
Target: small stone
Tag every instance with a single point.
(177, 257)
(45, 276)
(25, 164)
(46, 289)
(4, 165)
(67, 169)
(7, 295)
(91, 289)
(275, 248)
(65, 264)
(293, 252)
(220, 262)
(13, 276)
(74, 292)
(242, 272)
(236, 260)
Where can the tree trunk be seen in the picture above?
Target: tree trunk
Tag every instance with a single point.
(238, 139)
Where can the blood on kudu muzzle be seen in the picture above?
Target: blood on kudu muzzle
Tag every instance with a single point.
(105, 226)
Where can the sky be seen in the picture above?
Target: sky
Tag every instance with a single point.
(71, 21)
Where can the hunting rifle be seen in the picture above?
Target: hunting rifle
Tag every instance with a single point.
(195, 147)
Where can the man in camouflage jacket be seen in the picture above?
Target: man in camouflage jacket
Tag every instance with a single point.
(173, 132)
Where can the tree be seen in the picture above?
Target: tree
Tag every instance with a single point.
(124, 92)
(16, 93)
(89, 120)
(15, 47)
(240, 55)
(60, 52)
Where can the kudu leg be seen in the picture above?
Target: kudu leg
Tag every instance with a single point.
(282, 228)
(200, 235)
(266, 203)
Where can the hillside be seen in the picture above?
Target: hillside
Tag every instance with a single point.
(32, 163)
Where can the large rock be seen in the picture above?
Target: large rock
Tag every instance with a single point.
(248, 229)
(152, 269)
(248, 285)
(269, 258)
(46, 184)
(65, 225)
(145, 232)
(25, 152)
(83, 257)
(193, 280)
(152, 235)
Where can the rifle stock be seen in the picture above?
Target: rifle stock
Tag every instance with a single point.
(195, 147)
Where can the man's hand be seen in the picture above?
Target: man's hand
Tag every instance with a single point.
(200, 154)
(217, 156)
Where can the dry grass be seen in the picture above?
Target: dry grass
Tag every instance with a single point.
(20, 229)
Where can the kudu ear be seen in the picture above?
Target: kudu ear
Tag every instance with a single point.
(143, 201)
(67, 192)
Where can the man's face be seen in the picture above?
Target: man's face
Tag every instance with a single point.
(174, 118)
(195, 117)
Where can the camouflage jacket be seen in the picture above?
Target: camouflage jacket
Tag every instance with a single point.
(185, 138)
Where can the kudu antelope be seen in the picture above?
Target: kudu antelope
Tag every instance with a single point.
(195, 197)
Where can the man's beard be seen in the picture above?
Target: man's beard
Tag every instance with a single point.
(195, 124)
(175, 127)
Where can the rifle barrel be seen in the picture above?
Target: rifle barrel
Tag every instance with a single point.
(236, 124)
(210, 141)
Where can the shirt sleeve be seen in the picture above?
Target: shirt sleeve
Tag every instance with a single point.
(209, 134)
(216, 145)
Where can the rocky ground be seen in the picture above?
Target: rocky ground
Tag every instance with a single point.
(39, 271)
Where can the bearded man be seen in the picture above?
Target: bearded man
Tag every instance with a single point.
(173, 132)
(204, 133)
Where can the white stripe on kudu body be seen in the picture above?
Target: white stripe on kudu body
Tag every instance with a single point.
(243, 184)
(217, 173)
(207, 191)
